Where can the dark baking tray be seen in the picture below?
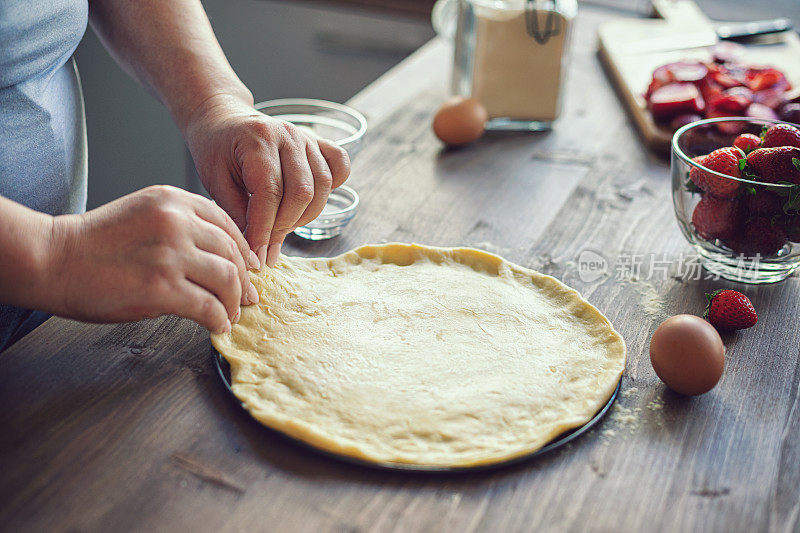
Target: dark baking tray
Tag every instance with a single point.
(223, 369)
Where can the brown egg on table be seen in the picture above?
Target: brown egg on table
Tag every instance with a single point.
(687, 354)
(460, 121)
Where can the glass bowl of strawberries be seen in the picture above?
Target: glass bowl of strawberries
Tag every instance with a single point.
(736, 193)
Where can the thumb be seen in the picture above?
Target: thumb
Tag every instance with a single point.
(232, 198)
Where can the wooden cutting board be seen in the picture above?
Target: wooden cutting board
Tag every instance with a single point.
(631, 49)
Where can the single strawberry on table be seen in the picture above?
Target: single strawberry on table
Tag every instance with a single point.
(776, 164)
(728, 309)
(782, 135)
(747, 142)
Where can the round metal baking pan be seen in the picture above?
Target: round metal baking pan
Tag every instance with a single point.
(223, 369)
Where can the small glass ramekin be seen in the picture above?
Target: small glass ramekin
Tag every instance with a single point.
(337, 213)
(340, 124)
(743, 240)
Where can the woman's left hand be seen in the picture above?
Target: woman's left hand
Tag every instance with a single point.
(269, 176)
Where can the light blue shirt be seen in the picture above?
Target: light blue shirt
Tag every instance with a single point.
(42, 124)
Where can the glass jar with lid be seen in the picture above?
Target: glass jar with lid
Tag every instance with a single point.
(510, 55)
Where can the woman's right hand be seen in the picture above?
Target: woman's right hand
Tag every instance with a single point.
(157, 251)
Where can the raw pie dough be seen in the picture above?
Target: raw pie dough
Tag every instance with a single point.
(430, 356)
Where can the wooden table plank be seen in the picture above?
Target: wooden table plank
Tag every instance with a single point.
(120, 427)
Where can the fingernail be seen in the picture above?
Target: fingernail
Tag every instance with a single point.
(262, 256)
(227, 327)
(273, 254)
(237, 316)
(252, 294)
(253, 262)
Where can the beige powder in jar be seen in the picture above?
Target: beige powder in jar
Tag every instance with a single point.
(515, 75)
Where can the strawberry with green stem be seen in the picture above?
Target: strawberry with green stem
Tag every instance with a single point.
(730, 310)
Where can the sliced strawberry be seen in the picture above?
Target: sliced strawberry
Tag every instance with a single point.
(726, 80)
(716, 218)
(782, 135)
(760, 111)
(682, 120)
(661, 76)
(763, 237)
(688, 70)
(732, 101)
(747, 142)
(709, 88)
(764, 78)
(675, 99)
(772, 98)
(775, 164)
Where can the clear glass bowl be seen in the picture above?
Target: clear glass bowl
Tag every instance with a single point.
(335, 122)
(337, 213)
(746, 236)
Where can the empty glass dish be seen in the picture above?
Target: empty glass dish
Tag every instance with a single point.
(337, 213)
(335, 122)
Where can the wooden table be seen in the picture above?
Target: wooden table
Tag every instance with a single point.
(118, 427)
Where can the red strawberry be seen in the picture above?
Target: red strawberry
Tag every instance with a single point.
(759, 79)
(733, 101)
(716, 218)
(709, 89)
(675, 99)
(747, 142)
(725, 161)
(775, 164)
(782, 135)
(763, 237)
(729, 309)
(724, 78)
(762, 202)
(772, 98)
(696, 174)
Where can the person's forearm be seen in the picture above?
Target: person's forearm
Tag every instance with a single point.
(169, 46)
(26, 237)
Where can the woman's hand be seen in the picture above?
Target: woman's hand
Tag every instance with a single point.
(158, 251)
(266, 173)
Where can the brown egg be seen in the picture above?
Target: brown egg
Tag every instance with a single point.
(687, 354)
(460, 121)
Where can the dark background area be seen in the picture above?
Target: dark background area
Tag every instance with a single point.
(313, 49)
